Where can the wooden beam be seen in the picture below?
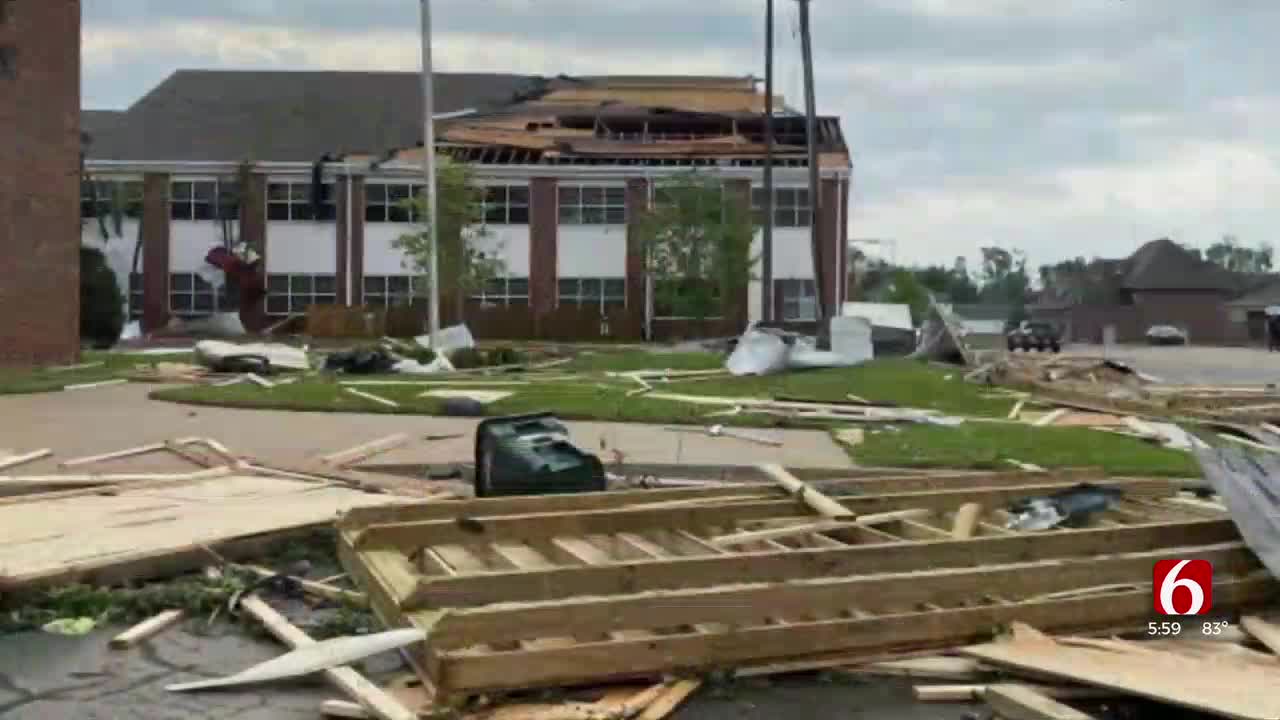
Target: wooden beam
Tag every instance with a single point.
(974, 693)
(1262, 631)
(885, 557)
(745, 538)
(372, 698)
(748, 604)
(129, 452)
(639, 658)
(146, 629)
(318, 589)
(15, 460)
(1019, 702)
(966, 520)
(410, 536)
(365, 451)
(820, 503)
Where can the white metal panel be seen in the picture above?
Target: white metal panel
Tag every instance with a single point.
(792, 254)
(379, 257)
(892, 315)
(302, 247)
(592, 251)
(190, 241)
(510, 243)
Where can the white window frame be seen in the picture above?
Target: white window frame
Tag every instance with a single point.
(304, 297)
(387, 204)
(297, 202)
(197, 287)
(135, 295)
(582, 298)
(790, 207)
(385, 297)
(800, 294)
(190, 185)
(591, 204)
(502, 209)
(504, 291)
(132, 197)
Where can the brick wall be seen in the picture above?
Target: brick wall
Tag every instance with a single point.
(40, 182)
(356, 244)
(253, 232)
(544, 224)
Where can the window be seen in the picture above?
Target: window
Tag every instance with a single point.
(387, 290)
(294, 293)
(506, 205)
(592, 205)
(204, 200)
(97, 196)
(292, 201)
(799, 299)
(135, 296)
(600, 292)
(790, 207)
(504, 291)
(389, 202)
(190, 295)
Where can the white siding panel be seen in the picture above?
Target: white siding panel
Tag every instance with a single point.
(792, 254)
(190, 241)
(511, 243)
(302, 247)
(379, 257)
(592, 251)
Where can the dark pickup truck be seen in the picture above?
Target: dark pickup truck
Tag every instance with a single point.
(1038, 335)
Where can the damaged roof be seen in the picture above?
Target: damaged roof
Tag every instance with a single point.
(1165, 265)
(203, 115)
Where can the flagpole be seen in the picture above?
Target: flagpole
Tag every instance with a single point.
(429, 169)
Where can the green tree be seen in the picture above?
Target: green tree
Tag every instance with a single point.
(463, 266)
(697, 244)
(1230, 254)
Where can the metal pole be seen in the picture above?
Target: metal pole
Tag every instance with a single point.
(766, 238)
(811, 139)
(429, 169)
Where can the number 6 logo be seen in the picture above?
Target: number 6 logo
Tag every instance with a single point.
(1193, 577)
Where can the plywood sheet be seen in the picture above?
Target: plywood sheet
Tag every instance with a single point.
(43, 540)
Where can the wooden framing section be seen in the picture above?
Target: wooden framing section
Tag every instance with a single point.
(534, 591)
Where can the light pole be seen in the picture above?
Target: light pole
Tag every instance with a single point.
(429, 169)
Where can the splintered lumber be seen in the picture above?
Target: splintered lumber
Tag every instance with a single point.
(128, 452)
(87, 386)
(365, 451)
(1199, 684)
(1019, 702)
(370, 396)
(820, 503)
(973, 693)
(319, 589)
(147, 628)
(155, 528)
(966, 520)
(669, 700)
(935, 667)
(1262, 631)
(1051, 417)
(15, 460)
(754, 536)
(354, 685)
(1017, 408)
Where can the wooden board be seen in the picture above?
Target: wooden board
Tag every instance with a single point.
(45, 542)
(1196, 683)
(1019, 702)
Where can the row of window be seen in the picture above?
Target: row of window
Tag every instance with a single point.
(389, 202)
(191, 295)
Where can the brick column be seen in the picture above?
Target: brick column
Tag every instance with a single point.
(847, 281)
(253, 231)
(39, 183)
(737, 309)
(544, 225)
(637, 206)
(829, 235)
(155, 251)
(356, 245)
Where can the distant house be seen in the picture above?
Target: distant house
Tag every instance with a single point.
(1162, 283)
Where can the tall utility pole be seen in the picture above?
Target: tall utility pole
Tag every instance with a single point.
(766, 260)
(811, 139)
(429, 169)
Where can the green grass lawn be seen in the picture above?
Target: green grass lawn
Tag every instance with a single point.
(114, 365)
(592, 395)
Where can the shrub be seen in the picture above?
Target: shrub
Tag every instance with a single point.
(467, 357)
(101, 302)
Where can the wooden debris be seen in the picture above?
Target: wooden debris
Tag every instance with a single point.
(976, 693)
(1051, 418)
(102, 383)
(1250, 443)
(319, 589)
(934, 667)
(1019, 702)
(1017, 408)
(8, 461)
(755, 536)
(966, 520)
(351, 683)
(820, 503)
(364, 451)
(669, 700)
(1262, 631)
(128, 452)
(370, 396)
(1177, 679)
(147, 628)
(81, 366)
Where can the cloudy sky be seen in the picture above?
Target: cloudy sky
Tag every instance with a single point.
(1064, 128)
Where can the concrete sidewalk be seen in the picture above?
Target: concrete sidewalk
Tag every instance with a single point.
(112, 418)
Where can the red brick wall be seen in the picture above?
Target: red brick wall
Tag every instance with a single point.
(544, 224)
(155, 251)
(737, 311)
(1202, 314)
(357, 239)
(829, 236)
(253, 230)
(637, 206)
(40, 183)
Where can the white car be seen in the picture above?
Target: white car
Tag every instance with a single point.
(1166, 335)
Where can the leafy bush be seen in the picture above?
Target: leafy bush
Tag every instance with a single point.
(467, 357)
(101, 302)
